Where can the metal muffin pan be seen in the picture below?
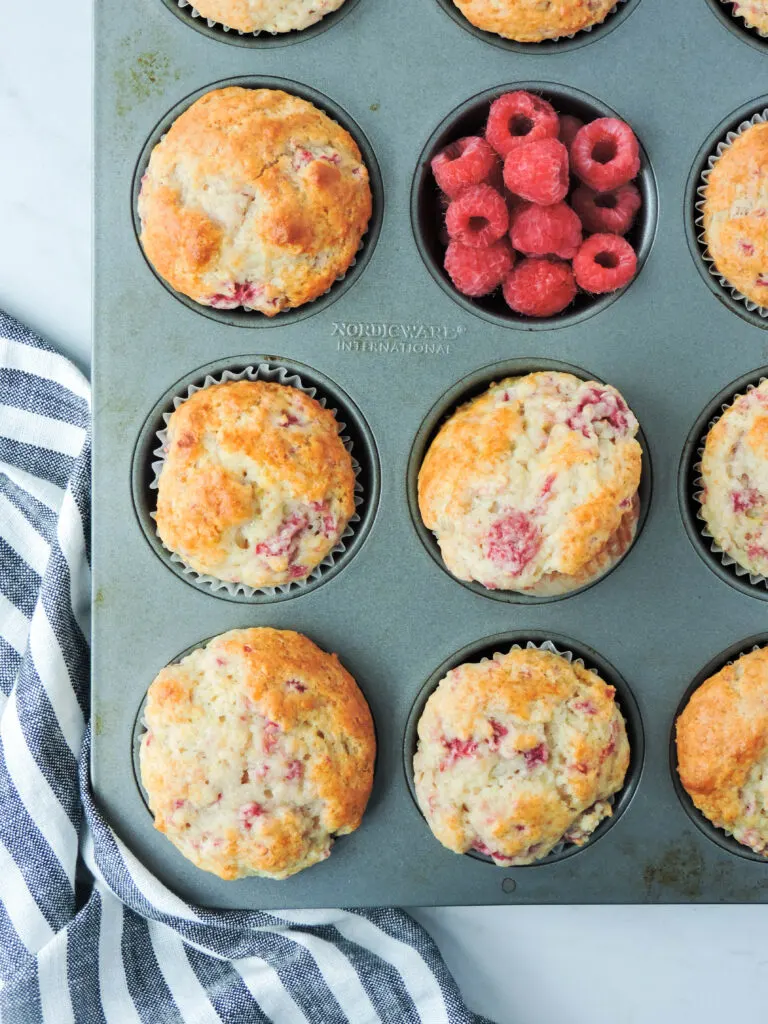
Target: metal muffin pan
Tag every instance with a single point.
(393, 344)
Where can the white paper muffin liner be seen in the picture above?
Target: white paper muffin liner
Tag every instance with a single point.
(571, 658)
(273, 374)
(738, 17)
(760, 118)
(194, 13)
(725, 559)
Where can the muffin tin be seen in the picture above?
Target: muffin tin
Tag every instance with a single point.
(390, 347)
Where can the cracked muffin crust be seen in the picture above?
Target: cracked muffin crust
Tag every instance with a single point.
(735, 214)
(722, 749)
(532, 486)
(754, 13)
(257, 486)
(533, 21)
(734, 472)
(259, 749)
(254, 198)
(267, 15)
(518, 753)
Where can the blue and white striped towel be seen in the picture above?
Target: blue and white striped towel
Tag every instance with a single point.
(86, 933)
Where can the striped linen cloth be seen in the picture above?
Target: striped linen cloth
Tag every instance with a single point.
(86, 933)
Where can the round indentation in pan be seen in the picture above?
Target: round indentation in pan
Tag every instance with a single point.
(717, 835)
(724, 12)
(214, 30)
(620, 14)
(427, 212)
(253, 318)
(363, 449)
(502, 642)
(688, 488)
(693, 215)
(465, 390)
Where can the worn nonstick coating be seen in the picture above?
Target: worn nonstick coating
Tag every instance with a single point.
(394, 342)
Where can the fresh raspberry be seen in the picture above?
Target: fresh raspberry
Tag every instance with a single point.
(569, 126)
(613, 212)
(538, 172)
(546, 230)
(517, 118)
(478, 217)
(513, 541)
(539, 287)
(477, 272)
(470, 161)
(605, 154)
(604, 263)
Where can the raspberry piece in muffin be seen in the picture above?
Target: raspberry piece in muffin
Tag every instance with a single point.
(539, 769)
(478, 217)
(538, 172)
(605, 154)
(470, 161)
(604, 263)
(546, 230)
(476, 272)
(534, 483)
(611, 212)
(540, 286)
(517, 118)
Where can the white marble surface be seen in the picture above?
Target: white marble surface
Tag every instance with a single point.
(535, 965)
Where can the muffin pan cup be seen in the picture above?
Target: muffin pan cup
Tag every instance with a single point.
(503, 643)
(390, 344)
(149, 459)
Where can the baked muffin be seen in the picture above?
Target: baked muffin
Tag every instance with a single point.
(722, 749)
(735, 214)
(734, 472)
(267, 15)
(531, 21)
(532, 486)
(259, 749)
(754, 13)
(254, 198)
(517, 754)
(257, 486)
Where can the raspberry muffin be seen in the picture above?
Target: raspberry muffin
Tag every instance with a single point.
(735, 214)
(257, 487)
(517, 754)
(722, 749)
(734, 472)
(254, 198)
(531, 21)
(259, 749)
(273, 16)
(532, 486)
(754, 13)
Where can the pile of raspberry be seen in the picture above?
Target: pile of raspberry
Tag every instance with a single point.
(507, 219)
